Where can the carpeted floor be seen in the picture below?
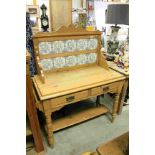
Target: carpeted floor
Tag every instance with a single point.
(89, 135)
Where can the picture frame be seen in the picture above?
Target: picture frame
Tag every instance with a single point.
(34, 21)
(34, 12)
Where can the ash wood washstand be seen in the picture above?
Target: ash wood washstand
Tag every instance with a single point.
(31, 110)
(59, 87)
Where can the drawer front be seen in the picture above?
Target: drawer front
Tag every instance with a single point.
(113, 87)
(69, 98)
(79, 95)
(96, 91)
(58, 101)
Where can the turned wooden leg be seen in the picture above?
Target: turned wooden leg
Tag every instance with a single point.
(49, 128)
(115, 106)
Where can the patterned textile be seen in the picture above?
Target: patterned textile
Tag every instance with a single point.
(29, 44)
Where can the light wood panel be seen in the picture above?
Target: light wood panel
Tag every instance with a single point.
(61, 13)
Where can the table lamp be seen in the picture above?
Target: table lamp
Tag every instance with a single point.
(115, 14)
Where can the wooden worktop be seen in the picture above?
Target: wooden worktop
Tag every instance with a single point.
(62, 83)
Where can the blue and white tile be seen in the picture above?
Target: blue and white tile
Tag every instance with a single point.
(82, 44)
(70, 45)
(92, 44)
(58, 46)
(91, 57)
(59, 62)
(82, 59)
(71, 61)
(47, 64)
(43, 48)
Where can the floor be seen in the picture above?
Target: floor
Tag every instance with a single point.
(89, 135)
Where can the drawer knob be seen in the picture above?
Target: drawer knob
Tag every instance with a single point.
(70, 98)
(105, 88)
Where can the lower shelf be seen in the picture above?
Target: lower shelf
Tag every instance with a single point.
(78, 117)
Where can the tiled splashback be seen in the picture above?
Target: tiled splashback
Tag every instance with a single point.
(54, 47)
(68, 61)
(67, 46)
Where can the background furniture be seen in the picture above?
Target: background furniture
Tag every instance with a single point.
(34, 128)
(113, 66)
(118, 146)
(71, 68)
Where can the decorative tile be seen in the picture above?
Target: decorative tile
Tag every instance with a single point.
(82, 44)
(58, 46)
(70, 45)
(50, 48)
(59, 62)
(67, 46)
(43, 48)
(92, 44)
(70, 61)
(47, 64)
(91, 57)
(82, 59)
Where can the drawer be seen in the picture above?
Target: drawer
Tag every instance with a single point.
(96, 91)
(106, 88)
(102, 89)
(69, 98)
(78, 95)
(58, 101)
(113, 87)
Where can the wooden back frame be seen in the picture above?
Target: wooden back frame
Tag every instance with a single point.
(66, 33)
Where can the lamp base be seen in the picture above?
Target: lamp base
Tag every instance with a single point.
(110, 57)
(112, 43)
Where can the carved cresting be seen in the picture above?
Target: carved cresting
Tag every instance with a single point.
(71, 29)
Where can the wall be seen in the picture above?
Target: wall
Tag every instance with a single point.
(76, 4)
